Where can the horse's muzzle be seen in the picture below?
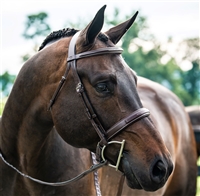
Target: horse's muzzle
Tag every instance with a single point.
(149, 179)
(160, 172)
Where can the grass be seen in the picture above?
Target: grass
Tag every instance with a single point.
(2, 104)
(198, 186)
(198, 180)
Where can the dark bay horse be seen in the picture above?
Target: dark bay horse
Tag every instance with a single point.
(169, 116)
(95, 101)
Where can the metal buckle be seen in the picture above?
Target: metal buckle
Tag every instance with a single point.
(79, 88)
(119, 156)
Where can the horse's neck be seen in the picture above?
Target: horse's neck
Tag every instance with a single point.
(54, 161)
(26, 137)
(25, 122)
(22, 132)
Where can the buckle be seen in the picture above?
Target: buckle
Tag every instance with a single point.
(79, 88)
(119, 156)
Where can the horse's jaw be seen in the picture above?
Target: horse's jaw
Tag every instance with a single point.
(137, 177)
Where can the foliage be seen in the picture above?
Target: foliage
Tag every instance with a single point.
(191, 78)
(2, 104)
(191, 83)
(6, 81)
(36, 25)
(142, 53)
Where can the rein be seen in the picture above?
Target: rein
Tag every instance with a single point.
(105, 136)
(78, 177)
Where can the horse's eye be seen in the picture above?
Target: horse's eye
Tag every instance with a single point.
(102, 88)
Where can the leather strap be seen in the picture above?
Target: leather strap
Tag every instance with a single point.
(78, 177)
(72, 50)
(87, 105)
(72, 57)
(135, 116)
(105, 136)
(100, 51)
(61, 83)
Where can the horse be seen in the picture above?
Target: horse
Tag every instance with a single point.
(77, 93)
(169, 116)
(194, 114)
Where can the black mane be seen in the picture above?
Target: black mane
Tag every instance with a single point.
(55, 35)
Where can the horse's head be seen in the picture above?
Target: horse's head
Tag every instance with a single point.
(100, 91)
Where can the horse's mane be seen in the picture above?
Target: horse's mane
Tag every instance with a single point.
(55, 35)
(67, 32)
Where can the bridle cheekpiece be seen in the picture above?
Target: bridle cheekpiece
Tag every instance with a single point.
(105, 136)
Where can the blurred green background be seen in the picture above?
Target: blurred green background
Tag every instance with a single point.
(176, 69)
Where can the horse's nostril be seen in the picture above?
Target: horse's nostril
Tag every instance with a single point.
(159, 172)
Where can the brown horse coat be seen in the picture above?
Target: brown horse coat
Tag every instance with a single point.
(30, 143)
(169, 116)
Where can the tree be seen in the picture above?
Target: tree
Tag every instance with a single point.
(36, 27)
(191, 78)
(144, 54)
(6, 81)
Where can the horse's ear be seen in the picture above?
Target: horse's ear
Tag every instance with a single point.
(94, 27)
(118, 31)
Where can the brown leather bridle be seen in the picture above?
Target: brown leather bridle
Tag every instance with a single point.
(105, 136)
